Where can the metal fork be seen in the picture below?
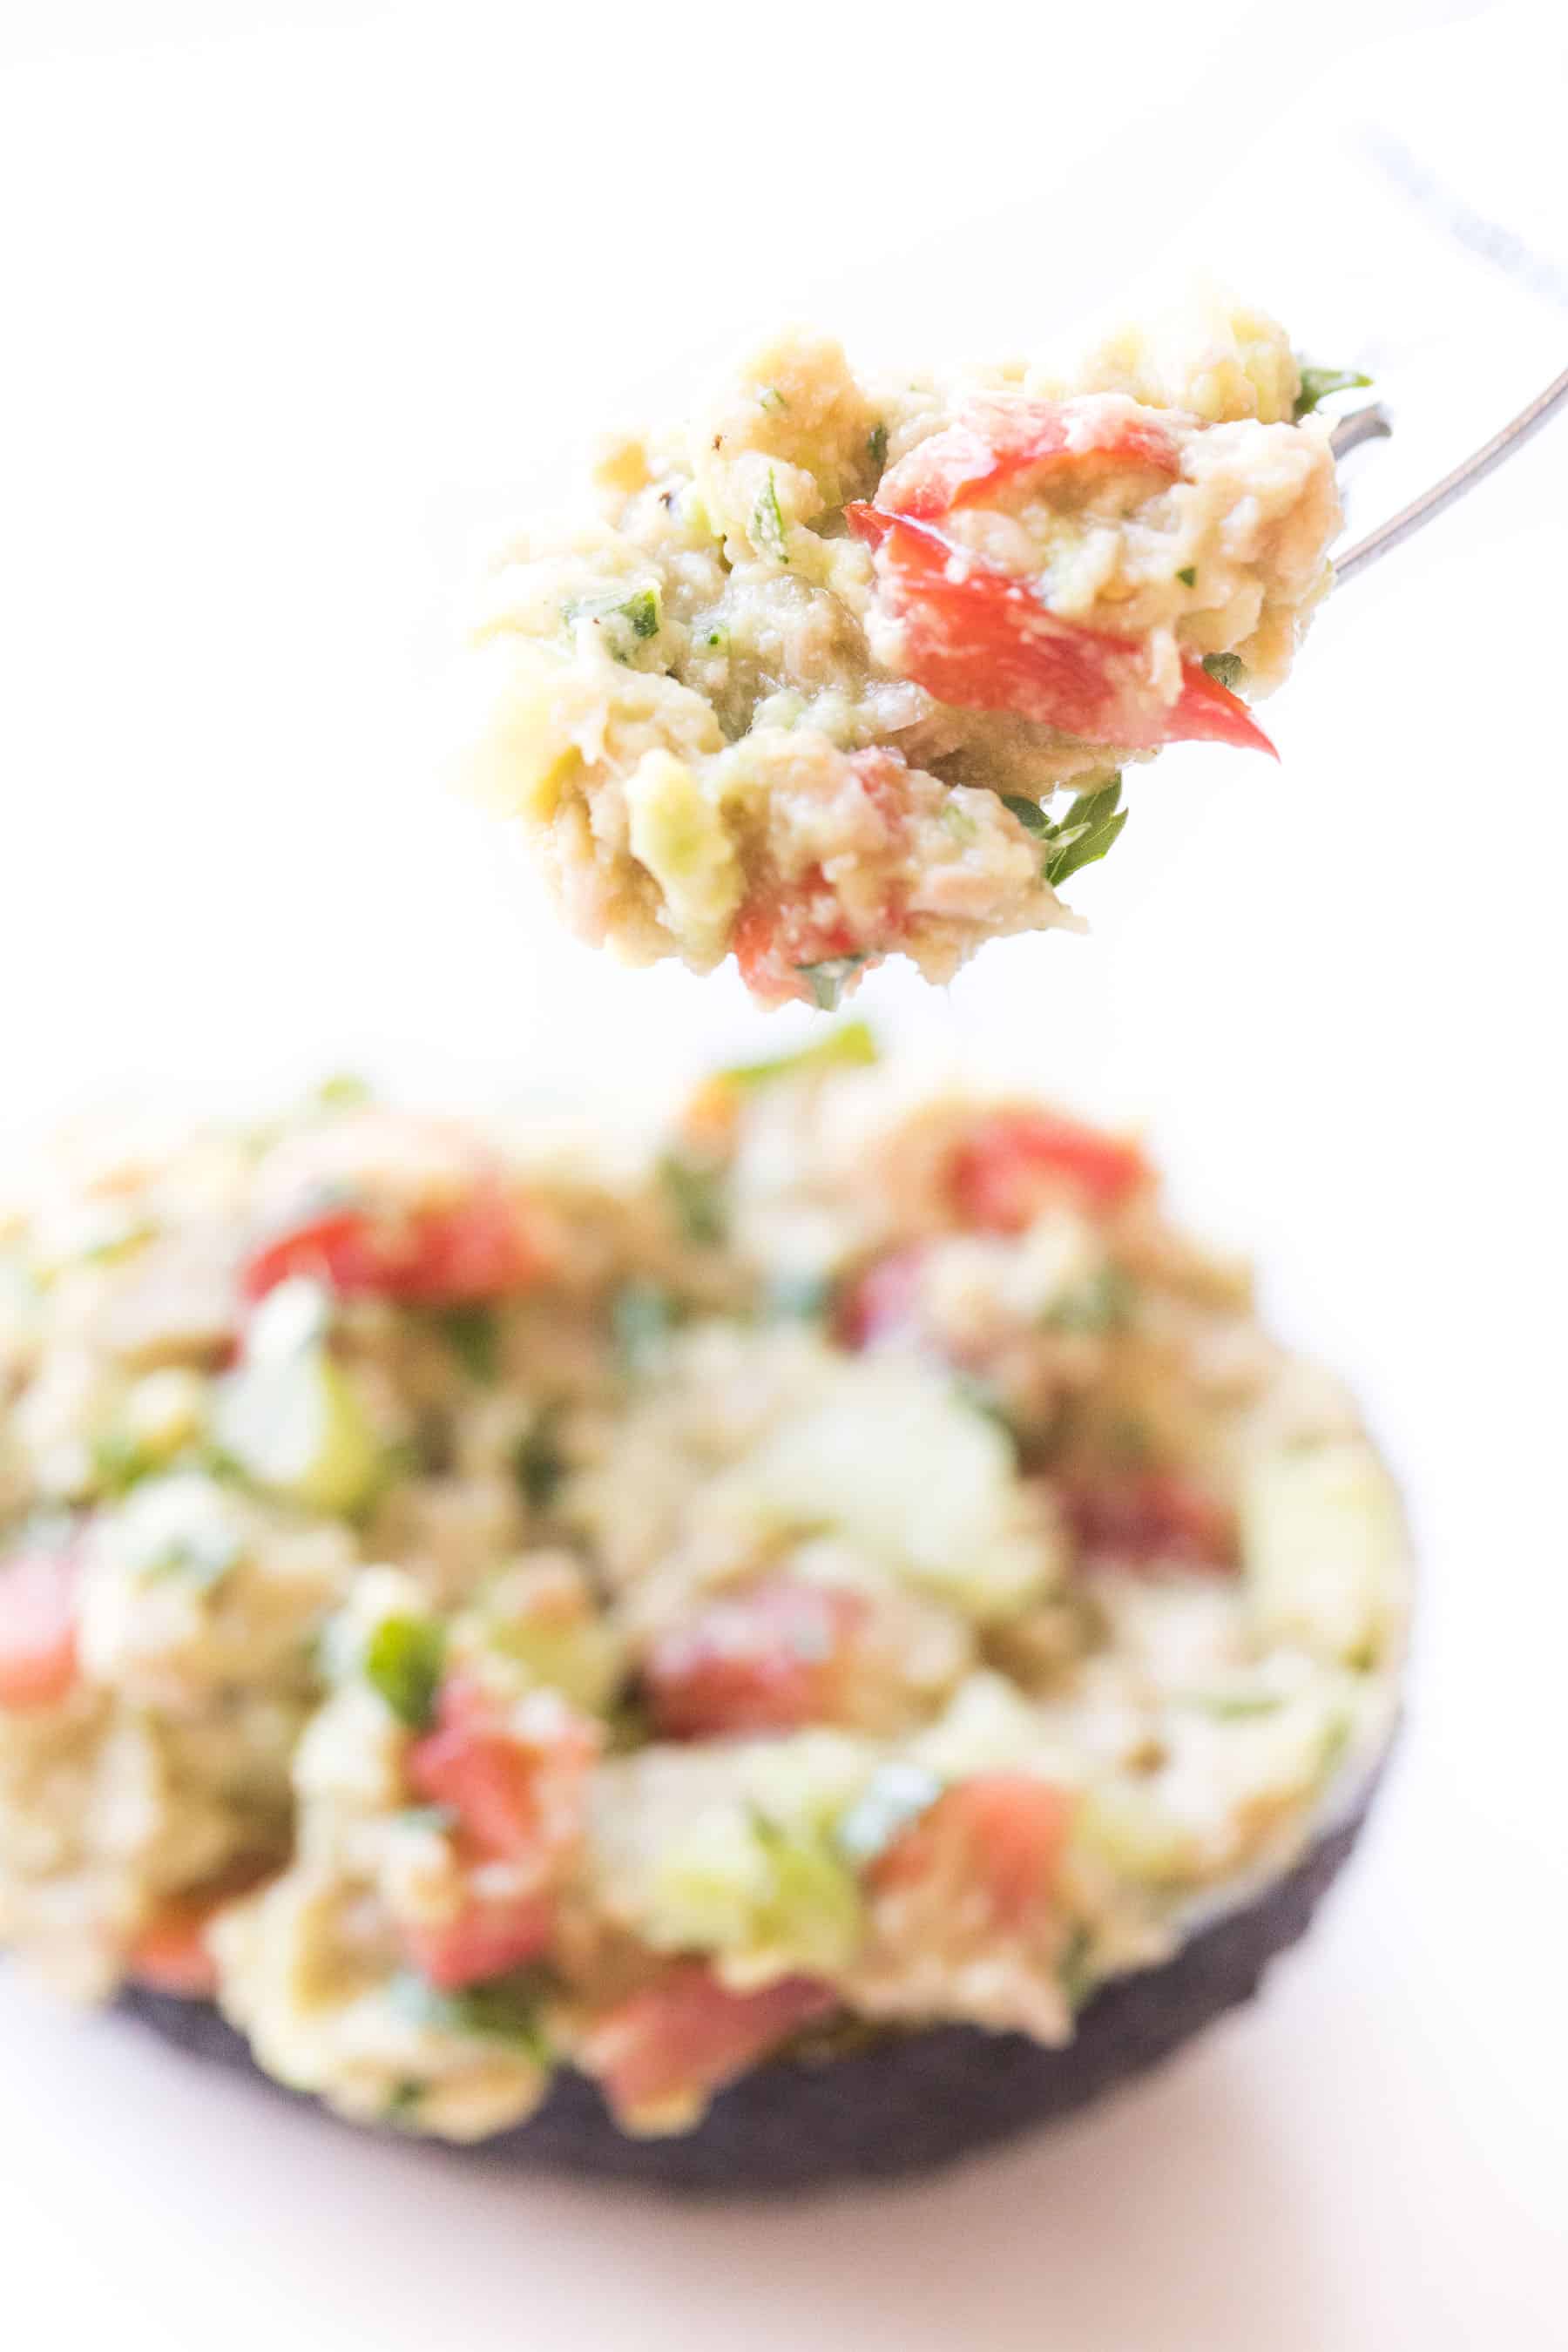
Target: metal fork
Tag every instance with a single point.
(1371, 423)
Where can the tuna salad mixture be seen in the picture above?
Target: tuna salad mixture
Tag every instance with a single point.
(851, 667)
(477, 1600)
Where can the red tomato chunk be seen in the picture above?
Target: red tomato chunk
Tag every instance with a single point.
(37, 1628)
(1013, 1163)
(687, 2034)
(764, 1660)
(476, 1249)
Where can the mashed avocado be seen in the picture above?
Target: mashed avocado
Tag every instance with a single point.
(469, 1612)
(804, 691)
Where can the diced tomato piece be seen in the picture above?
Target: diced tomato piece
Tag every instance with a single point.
(780, 936)
(476, 1249)
(170, 1952)
(1150, 1517)
(515, 1800)
(1001, 1831)
(1011, 1163)
(985, 641)
(485, 1940)
(782, 931)
(686, 2035)
(763, 1660)
(37, 1628)
(996, 436)
(881, 1298)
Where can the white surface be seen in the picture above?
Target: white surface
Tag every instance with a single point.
(283, 306)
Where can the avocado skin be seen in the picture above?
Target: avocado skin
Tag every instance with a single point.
(903, 2104)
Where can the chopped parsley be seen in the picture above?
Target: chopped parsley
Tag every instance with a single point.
(506, 2011)
(538, 1462)
(770, 397)
(1188, 575)
(1320, 384)
(717, 638)
(1029, 814)
(1090, 827)
(1229, 668)
(627, 621)
(474, 1336)
(769, 536)
(402, 1661)
(696, 1194)
(826, 980)
(877, 444)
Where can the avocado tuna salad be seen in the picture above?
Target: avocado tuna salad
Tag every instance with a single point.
(490, 1603)
(851, 666)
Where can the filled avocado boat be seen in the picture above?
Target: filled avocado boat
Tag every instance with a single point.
(843, 1613)
(810, 689)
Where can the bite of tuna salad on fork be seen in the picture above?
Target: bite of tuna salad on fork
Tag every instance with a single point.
(851, 667)
(485, 1604)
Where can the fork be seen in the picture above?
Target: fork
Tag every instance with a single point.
(1371, 424)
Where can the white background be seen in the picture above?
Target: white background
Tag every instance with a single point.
(288, 293)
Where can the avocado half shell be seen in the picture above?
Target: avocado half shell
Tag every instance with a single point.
(899, 2103)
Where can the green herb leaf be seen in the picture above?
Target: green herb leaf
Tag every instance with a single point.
(717, 638)
(625, 620)
(770, 397)
(1321, 382)
(1074, 1969)
(1086, 832)
(1229, 668)
(506, 2011)
(117, 1461)
(642, 611)
(769, 536)
(402, 1661)
(538, 1463)
(1188, 575)
(877, 444)
(473, 1335)
(849, 1046)
(696, 1194)
(1030, 816)
(827, 979)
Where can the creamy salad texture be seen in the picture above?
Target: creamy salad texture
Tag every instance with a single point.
(475, 1602)
(851, 667)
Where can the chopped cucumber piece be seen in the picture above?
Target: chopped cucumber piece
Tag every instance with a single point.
(402, 1661)
(291, 1419)
(1323, 1547)
(849, 1046)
